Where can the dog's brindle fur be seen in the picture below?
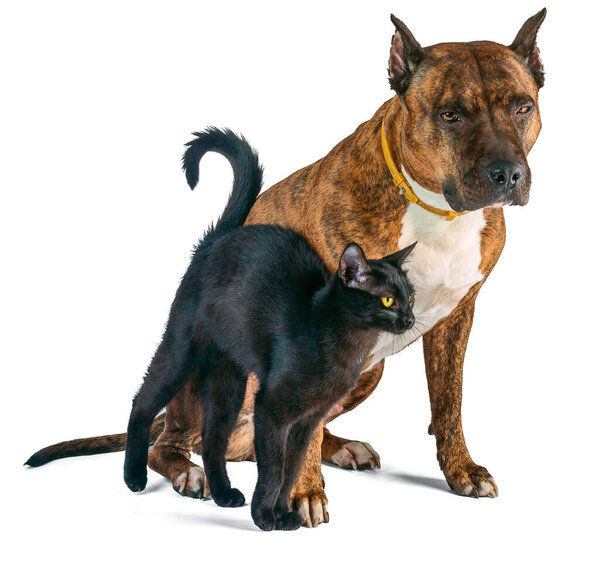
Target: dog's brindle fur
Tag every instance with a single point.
(349, 196)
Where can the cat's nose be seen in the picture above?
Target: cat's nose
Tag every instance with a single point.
(409, 321)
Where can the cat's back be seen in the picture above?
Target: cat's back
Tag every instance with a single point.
(260, 254)
(257, 282)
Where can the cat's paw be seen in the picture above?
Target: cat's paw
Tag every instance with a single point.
(136, 476)
(192, 483)
(289, 521)
(264, 519)
(471, 480)
(281, 507)
(229, 498)
(356, 455)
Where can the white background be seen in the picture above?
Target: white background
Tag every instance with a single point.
(97, 225)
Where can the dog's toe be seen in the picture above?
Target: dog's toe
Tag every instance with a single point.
(192, 483)
(312, 509)
(356, 455)
(471, 480)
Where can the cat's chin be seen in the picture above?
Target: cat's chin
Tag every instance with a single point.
(395, 330)
(402, 330)
(401, 327)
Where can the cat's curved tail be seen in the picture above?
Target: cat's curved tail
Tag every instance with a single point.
(247, 172)
(246, 187)
(90, 446)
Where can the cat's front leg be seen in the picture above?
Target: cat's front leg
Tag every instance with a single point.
(298, 439)
(271, 430)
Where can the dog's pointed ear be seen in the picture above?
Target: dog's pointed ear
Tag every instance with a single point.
(354, 267)
(525, 46)
(405, 54)
(399, 257)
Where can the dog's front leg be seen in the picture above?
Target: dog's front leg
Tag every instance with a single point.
(444, 348)
(352, 454)
(308, 495)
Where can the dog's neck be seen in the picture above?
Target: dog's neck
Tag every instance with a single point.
(366, 166)
(430, 197)
(394, 123)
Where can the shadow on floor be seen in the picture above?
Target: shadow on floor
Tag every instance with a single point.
(244, 524)
(423, 481)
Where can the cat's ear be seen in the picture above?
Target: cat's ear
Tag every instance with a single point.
(354, 267)
(399, 257)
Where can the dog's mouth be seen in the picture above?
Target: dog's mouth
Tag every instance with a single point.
(473, 197)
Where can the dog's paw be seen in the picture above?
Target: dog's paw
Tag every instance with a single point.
(229, 498)
(192, 483)
(356, 455)
(471, 480)
(312, 508)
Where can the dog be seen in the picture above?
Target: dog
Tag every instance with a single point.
(435, 164)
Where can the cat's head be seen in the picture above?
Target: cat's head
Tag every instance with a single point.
(377, 292)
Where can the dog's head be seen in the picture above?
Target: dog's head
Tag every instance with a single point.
(469, 115)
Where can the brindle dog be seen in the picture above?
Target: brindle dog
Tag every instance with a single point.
(460, 125)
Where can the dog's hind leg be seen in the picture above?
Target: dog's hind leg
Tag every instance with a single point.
(222, 398)
(170, 454)
(182, 434)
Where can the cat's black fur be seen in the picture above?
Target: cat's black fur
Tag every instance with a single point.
(258, 299)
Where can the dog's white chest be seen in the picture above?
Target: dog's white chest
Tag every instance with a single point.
(442, 268)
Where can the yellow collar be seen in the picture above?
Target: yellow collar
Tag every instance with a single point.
(400, 181)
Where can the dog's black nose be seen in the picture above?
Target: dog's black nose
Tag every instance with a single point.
(504, 175)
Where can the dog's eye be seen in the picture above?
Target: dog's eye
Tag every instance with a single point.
(450, 116)
(524, 109)
(387, 301)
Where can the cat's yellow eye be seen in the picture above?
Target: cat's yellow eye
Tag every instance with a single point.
(387, 302)
(411, 299)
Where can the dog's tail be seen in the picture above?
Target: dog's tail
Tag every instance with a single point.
(247, 172)
(90, 446)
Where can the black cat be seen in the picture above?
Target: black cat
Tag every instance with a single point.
(258, 299)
